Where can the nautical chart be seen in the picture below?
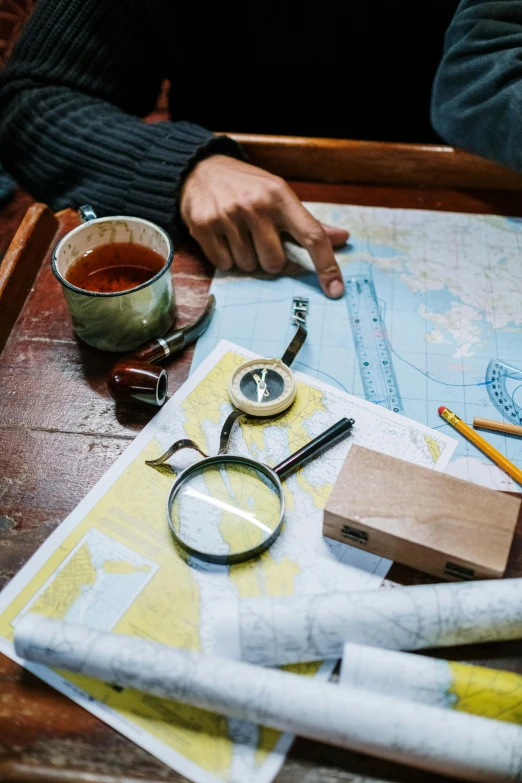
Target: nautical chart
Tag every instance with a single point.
(113, 564)
(431, 316)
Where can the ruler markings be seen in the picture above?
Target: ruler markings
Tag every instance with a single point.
(371, 343)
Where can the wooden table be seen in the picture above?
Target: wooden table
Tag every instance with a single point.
(60, 432)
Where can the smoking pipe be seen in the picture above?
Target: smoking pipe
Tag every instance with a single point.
(138, 378)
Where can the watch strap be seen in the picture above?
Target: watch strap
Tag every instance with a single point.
(184, 443)
(228, 426)
(295, 346)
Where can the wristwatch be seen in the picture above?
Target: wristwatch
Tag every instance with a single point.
(264, 388)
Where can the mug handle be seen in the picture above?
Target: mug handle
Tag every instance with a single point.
(86, 213)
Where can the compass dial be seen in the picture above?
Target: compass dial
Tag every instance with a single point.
(262, 387)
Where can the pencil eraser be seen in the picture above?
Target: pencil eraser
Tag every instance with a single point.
(442, 409)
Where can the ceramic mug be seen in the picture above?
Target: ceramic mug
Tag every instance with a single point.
(123, 320)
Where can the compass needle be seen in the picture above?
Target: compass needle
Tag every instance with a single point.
(263, 385)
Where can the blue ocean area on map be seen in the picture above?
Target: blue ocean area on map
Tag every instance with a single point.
(423, 316)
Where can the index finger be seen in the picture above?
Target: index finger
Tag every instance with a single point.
(309, 232)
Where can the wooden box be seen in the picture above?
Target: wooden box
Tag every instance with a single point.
(442, 525)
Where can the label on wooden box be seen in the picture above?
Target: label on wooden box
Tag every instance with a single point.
(438, 524)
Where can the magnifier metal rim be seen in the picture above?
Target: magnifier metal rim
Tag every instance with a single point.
(247, 554)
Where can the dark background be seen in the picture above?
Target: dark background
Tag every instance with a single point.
(360, 70)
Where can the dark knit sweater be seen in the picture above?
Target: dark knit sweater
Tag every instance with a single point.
(85, 72)
(477, 96)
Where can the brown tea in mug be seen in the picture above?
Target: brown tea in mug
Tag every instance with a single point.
(115, 266)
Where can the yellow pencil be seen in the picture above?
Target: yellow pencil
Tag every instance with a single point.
(481, 444)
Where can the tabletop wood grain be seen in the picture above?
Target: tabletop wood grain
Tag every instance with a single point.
(59, 432)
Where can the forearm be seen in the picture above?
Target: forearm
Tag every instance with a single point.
(477, 94)
(69, 149)
(80, 78)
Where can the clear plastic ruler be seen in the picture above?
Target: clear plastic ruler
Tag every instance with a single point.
(371, 342)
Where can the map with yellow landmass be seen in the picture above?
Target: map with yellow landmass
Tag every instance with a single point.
(488, 692)
(84, 589)
(114, 565)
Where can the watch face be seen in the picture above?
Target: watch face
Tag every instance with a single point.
(262, 387)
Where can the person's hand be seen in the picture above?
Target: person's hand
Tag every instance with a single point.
(236, 212)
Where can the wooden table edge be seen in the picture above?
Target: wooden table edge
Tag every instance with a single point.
(22, 261)
(351, 161)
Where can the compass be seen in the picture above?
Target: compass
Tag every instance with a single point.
(262, 387)
(267, 387)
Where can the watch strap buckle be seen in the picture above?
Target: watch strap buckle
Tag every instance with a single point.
(299, 310)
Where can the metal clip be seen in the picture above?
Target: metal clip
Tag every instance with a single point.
(299, 310)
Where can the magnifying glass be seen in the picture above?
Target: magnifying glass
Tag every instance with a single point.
(227, 509)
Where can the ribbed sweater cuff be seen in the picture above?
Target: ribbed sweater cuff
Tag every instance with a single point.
(154, 189)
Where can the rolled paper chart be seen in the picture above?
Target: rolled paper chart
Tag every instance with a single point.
(293, 629)
(446, 684)
(428, 738)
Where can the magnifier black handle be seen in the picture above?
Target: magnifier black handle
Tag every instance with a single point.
(316, 446)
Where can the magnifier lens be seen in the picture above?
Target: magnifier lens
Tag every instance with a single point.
(224, 510)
